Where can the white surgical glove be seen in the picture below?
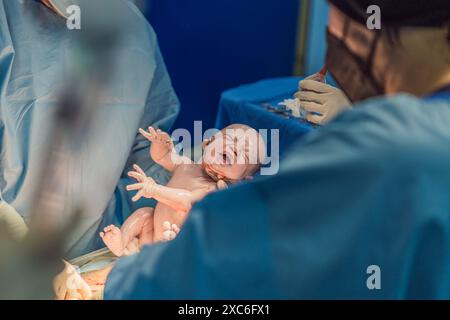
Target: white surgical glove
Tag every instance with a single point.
(323, 99)
(69, 285)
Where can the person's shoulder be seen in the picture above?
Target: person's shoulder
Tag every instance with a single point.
(400, 110)
(385, 131)
(401, 127)
(405, 119)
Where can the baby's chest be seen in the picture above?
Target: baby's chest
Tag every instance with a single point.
(190, 177)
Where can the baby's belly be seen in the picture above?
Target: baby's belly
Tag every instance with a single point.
(187, 178)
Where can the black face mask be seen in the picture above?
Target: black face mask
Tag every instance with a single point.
(352, 72)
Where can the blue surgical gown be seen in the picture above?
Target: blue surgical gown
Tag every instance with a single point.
(35, 46)
(369, 189)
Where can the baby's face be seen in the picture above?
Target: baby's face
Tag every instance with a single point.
(231, 154)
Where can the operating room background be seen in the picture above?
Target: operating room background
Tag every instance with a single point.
(212, 46)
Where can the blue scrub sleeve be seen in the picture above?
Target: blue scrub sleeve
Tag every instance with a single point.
(347, 200)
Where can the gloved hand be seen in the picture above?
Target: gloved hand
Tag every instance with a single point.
(321, 98)
(69, 285)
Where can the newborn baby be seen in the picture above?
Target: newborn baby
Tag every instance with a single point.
(232, 155)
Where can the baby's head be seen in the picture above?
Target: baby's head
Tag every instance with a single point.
(233, 154)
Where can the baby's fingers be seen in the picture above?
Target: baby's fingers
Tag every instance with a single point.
(137, 176)
(138, 169)
(160, 134)
(152, 131)
(165, 138)
(147, 135)
(136, 186)
(138, 196)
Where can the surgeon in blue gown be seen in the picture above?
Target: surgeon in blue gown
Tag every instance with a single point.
(360, 209)
(35, 49)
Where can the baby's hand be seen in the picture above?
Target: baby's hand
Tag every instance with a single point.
(161, 142)
(145, 185)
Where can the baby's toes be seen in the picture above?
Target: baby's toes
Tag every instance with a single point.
(167, 235)
(175, 228)
(107, 236)
(115, 230)
(166, 226)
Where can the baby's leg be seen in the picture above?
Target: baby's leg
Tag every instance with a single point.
(112, 237)
(148, 231)
(145, 237)
(138, 225)
(117, 239)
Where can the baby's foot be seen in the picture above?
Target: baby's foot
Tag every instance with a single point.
(112, 237)
(170, 231)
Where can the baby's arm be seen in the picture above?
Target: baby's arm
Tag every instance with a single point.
(162, 150)
(177, 199)
(138, 225)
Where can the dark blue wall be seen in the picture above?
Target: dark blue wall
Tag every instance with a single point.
(213, 45)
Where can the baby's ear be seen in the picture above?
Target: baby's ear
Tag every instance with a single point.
(206, 142)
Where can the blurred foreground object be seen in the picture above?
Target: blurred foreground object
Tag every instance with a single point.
(45, 64)
(12, 221)
(28, 260)
(28, 265)
(84, 278)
